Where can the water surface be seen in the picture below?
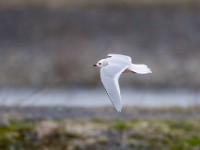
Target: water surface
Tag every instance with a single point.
(97, 97)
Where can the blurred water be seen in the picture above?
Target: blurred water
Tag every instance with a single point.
(97, 97)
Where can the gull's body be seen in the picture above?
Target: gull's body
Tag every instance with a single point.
(111, 69)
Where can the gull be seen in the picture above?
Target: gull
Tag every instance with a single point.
(110, 70)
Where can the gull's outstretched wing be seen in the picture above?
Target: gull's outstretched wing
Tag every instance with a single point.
(120, 56)
(109, 77)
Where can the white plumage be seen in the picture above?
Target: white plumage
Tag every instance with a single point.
(111, 69)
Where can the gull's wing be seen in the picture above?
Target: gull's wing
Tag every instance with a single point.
(109, 77)
(128, 58)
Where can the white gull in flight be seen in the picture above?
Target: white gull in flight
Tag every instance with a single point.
(111, 69)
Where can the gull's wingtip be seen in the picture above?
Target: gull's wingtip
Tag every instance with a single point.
(119, 109)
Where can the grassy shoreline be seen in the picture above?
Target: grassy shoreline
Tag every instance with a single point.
(100, 133)
(99, 128)
(79, 113)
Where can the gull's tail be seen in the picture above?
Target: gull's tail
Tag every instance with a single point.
(140, 68)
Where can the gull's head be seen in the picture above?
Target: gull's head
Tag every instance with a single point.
(99, 63)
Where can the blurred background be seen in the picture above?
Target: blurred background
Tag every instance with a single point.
(47, 52)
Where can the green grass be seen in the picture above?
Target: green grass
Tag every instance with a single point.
(147, 134)
(120, 125)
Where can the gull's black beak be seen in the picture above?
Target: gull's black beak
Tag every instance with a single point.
(94, 65)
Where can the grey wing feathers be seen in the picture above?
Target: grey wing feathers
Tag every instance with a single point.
(109, 77)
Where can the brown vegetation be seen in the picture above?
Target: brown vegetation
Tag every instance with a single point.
(42, 47)
(113, 133)
(58, 4)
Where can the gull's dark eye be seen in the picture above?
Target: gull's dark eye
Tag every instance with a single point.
(99, 63)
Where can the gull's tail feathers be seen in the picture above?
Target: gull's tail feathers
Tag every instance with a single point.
(140, 68)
